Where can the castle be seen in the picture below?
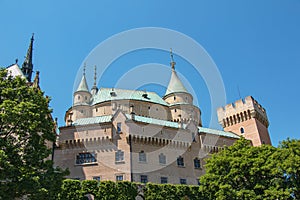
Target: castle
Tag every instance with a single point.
(116, 134)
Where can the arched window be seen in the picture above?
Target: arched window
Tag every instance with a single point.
(174, 98)
(242, 130)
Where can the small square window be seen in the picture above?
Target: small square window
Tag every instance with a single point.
(97, 178)
(183, 181)
(144, 178)
(163, 180)
(119, 178)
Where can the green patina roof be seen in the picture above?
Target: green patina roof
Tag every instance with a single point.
(83, 85)
(148, 120)
(175, 84)
(92, 120)
(110, 94)
(217, 132)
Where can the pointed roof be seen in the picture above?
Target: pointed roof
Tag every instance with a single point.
(27, 66)
(175, 84)
(83, 86)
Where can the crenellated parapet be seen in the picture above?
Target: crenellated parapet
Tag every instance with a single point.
(242, 110)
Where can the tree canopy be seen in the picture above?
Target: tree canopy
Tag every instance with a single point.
(242, 171)
(26, 127)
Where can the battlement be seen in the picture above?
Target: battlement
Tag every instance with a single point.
(241, 110)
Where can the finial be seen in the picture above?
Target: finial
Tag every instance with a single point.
(95, 75)
(32, 37)
(17, 60)
(84, 67)
(172, 63)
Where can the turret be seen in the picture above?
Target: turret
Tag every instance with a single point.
(180, 100)
(82, 97)
(248, 118)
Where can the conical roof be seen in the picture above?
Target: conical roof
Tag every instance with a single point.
(175, 84)
(83, 85)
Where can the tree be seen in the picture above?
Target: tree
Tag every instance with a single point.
(26, 127)
(242, 171)
(289, 155)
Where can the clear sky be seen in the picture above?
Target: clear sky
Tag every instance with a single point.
(255, 45)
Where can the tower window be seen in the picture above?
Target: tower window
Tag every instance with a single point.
(78, 97)
(142, 156)
(174, 98)
(119, 156)
(180, 161)
(242, 130)
(197, 163)
(162, 159)
(175, 110)
(85, 97)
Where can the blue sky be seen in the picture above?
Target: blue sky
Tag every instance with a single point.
(255, 45)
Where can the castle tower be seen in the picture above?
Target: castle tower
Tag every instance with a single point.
(82, 98)
(247, 118)
(180, 100)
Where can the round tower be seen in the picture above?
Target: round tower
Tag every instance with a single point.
(81, 102)
(180, 100)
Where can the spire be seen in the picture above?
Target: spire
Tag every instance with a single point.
(83, 84)
(94, 88)
(172, 63)
(175, 84)
(27, 66)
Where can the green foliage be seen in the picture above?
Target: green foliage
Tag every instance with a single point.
(71, 190)
(169, 191)
(25, 128)
(245, 172)
(126, 190)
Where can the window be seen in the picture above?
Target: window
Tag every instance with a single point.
(197, 163)
(119, 178)
(163, 180)
(97, 178)
(242, 130)
(144, 178)
(162, 159)
(119, 130)
(119, 156)
(85, 97)
(83, 158)
(180, 161)
(175, 110)
(142, 156)
(78, 97)
(174, 98)
(198, 181)
(183, 181)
